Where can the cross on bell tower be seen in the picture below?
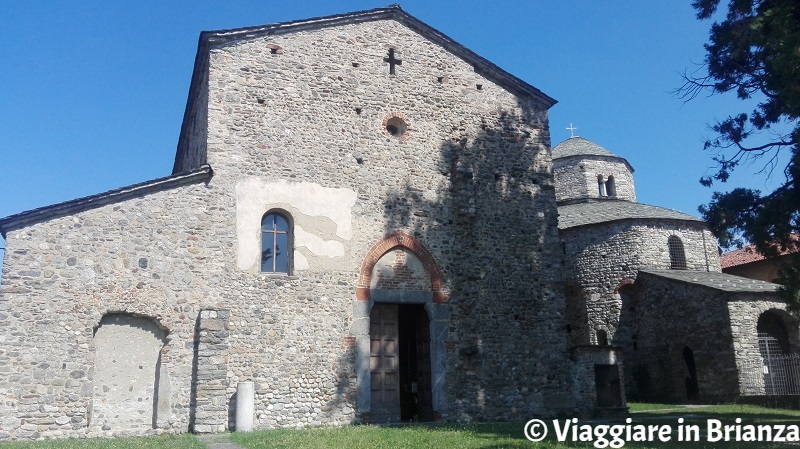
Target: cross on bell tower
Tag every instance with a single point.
(572, 130)
(392, 61)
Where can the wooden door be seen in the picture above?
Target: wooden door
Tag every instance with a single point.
(384, 363)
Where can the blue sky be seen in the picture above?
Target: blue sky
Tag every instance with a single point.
(92, 93)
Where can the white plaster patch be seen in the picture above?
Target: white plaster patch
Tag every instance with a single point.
(255, 196)
(300, 261)
(317, 245)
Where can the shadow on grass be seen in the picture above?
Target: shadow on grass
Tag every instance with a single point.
(510, 435)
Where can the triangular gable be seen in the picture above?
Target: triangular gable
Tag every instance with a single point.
(210, 39)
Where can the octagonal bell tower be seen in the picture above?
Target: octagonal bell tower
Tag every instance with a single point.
(584, 170)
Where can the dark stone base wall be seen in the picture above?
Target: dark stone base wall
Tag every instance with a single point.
(675, 315)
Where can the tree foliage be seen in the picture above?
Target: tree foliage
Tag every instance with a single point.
(755, 53)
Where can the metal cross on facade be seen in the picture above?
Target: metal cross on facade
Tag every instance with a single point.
(392, 61)
(571, 130)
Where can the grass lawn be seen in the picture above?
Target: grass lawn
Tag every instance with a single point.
(510, 435)
(154, 442)
(473, 436)
(466, 436)
(635, 407)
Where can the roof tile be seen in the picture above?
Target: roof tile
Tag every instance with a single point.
(715, 280)
(602, 211)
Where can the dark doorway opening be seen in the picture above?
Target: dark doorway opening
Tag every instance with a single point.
(415, 364)
(607, 386)
(400, 363)
(692, 387)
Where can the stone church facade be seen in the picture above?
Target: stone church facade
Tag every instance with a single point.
(365, 220)
(420, 209)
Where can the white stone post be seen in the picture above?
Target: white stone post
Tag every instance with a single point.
(245, 400)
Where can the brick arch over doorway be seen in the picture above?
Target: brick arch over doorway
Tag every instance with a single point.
(435, 306)
(399, 239)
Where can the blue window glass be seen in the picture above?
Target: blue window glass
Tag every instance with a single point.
(280, 223)
(282, 253)
(275, 244)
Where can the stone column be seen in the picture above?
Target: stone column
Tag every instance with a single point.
(360, 331)
(245, 406)
(211, 372)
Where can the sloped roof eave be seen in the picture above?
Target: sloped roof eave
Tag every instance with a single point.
(624, 219)
(723, 282)
(593, 212)
(41, 214)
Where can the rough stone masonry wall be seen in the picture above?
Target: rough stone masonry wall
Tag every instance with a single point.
(148, 257)
(470, 179)
(577, 177)
(586, 358)
(209, 408)
(600, 258)
(744, 311)
(193, 137)
(719, 327)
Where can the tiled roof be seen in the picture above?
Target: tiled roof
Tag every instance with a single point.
(22, 219)
(750, 254)
(718, 281)
(740, 256)
(578, 146)
(603, 211)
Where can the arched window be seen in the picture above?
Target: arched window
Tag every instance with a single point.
(602, 337)
(677, 256)
(772, 336)
(276, 243)
(773, 344)
(611, 188)
(601, 185)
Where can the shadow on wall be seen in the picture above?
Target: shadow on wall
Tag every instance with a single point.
(627, 333)
(491, 221)
(345, 388)
(577, 315)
